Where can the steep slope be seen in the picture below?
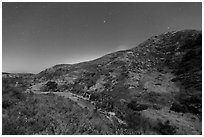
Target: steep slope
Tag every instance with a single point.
(53, 72)
(158, 79)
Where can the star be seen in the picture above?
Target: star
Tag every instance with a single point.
(104, 21)
(179, 8)
(44, 6)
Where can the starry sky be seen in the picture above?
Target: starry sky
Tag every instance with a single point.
(39, 35)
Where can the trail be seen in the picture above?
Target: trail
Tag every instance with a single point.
(81, 101)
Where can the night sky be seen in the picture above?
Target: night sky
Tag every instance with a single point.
(40, 35)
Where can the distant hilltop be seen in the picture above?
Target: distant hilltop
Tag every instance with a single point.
(16, 75)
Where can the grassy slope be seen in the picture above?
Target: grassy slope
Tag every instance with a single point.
(48, 114)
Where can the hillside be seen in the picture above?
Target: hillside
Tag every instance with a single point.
(174, 53)
(153, 88)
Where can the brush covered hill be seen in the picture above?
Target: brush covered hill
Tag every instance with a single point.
(161, 75)
(154, 88)
(173, 58)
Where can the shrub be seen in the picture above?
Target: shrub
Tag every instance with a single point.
(51, 85)
(178, 107)
(10, 94)
(137, 107)
(133, 119)
(166, 128)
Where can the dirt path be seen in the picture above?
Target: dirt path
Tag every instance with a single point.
(76, 98)
(82, 102)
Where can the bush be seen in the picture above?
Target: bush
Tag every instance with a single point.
(51, 85)
(11, 95)
(178, 108)
(137, 107)
(50, 114)
(166, 128)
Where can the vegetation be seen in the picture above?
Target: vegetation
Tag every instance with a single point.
(48, 114)
(51, 85)
(134, 92)
(137, 107)
(165, 128)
